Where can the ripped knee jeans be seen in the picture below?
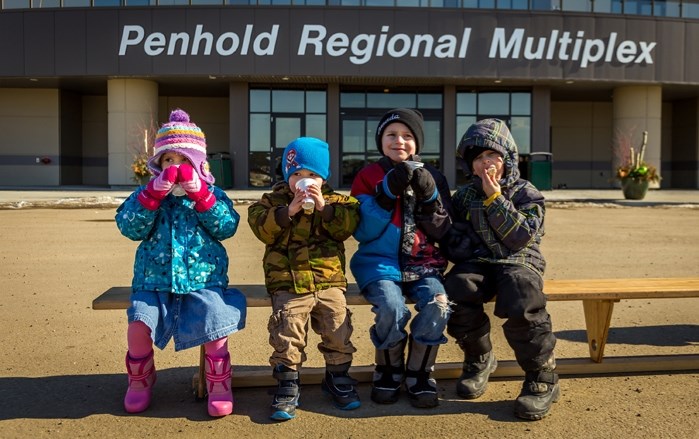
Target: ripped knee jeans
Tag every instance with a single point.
(388, 300)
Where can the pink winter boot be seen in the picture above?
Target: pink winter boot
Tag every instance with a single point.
(218, 385)
(141, 380)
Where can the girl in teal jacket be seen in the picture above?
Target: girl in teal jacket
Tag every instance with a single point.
(180, 282)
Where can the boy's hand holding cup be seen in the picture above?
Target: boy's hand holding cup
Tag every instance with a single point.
(423, 185)
(398, 178)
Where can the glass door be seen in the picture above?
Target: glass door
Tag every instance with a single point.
(285, 128)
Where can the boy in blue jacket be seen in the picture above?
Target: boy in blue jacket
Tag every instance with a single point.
(494, 243)
(403, 213)
(180, 283)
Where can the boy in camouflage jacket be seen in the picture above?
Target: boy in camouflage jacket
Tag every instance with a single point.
(304, 266)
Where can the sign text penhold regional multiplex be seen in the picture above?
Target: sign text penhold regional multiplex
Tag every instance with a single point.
(316, 40)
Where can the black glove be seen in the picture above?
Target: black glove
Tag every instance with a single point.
(398, 178)
(457, 244)
(423, 185)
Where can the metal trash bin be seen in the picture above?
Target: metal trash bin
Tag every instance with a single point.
(221, 167)
(539, 170)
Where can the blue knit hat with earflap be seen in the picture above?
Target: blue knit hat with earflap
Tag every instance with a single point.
(306, 153)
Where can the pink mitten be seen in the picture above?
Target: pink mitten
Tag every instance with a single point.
(158, 188)
(196, 190)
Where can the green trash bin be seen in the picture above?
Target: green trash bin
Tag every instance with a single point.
(539, 169)
(221, 167)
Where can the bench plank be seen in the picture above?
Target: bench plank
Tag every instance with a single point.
(261, 376)
(616, 289)
(598, 297)
(555, 290)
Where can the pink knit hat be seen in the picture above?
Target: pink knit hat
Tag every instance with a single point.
(183, 137)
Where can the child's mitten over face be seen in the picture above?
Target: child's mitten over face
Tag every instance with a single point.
(158, 188)
(196, 190)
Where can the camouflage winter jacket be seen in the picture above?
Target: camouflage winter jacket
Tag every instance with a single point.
(307, 253)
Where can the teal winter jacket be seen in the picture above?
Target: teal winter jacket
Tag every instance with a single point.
(180, 249)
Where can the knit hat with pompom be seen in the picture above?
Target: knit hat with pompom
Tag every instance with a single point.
(183, 137)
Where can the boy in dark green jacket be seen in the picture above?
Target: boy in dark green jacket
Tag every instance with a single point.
(304, 224)
(498, 222)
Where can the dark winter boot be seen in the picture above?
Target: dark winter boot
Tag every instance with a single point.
(539, 391)
(286, 397)
(474, 378)
(340, 386)
(389, 374)
(479, 363)
(422, 389)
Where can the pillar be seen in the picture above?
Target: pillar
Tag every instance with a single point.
(132, 114)
(637, 109)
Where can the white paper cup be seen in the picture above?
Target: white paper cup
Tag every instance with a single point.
(308, 204)
(413, 165)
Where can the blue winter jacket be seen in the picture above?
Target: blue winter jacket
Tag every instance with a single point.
(180, 249)
(397, 245)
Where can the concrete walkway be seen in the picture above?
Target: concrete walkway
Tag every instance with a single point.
(81, 196)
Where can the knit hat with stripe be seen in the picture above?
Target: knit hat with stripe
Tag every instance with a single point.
(183, 137)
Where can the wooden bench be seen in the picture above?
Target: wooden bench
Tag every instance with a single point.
(597, 295)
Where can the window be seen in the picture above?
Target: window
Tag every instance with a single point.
(670, 8)
(690, 9)
(360, 113)
(277, 117)
(576, 5)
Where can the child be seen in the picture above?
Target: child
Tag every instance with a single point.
(500, 218)
(180, 281)
(404, 211)
(304, 266)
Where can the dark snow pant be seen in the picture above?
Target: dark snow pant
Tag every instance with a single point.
(519, 298)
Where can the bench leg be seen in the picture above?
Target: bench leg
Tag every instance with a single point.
(598, 316)
(201, 382)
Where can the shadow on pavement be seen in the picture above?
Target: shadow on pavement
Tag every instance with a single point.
(81, 396)
(665, 335)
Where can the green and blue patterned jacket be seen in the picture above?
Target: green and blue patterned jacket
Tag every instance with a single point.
(180, 249)
(508, 230)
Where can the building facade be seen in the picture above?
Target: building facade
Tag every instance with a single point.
(83, 88)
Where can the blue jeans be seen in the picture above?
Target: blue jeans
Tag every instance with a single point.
(388, 304)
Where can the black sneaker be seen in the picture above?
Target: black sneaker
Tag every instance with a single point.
(539, 391)
(286, 396)
(474, 379)
(340, 386)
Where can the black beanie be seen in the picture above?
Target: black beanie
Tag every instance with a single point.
(411, 118)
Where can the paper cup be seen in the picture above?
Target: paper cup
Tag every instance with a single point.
(413, 165)
(308, 204)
